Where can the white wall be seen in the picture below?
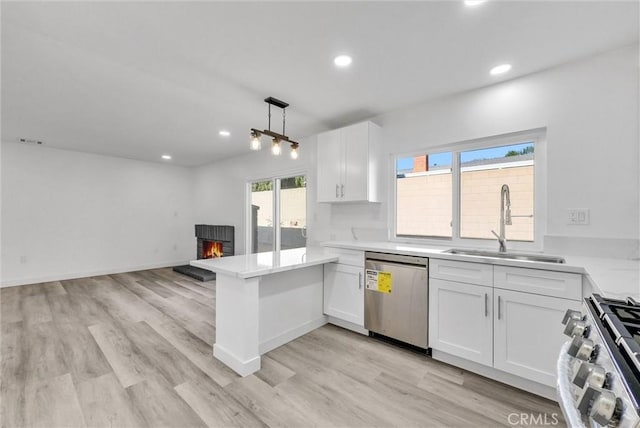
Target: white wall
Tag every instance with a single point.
(69, 214)
(589, 108)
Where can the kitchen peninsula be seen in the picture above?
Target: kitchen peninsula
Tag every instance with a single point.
(265, 300)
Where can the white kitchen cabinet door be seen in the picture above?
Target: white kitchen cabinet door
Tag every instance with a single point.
(461, 320)
(528, 334)
(330, 165)
(356, 163)
(348, 159)
(344, 292)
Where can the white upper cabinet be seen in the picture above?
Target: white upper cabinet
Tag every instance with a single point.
(348, 164)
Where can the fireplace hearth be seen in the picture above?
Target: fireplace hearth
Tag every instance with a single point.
(211, 241)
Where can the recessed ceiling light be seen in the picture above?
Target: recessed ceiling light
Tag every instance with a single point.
(499, 69)
(166, 157)
(342, 60)
(224, 133)
(473, 2)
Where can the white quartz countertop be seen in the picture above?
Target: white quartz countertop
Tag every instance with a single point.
(612, 278)
(252, 265)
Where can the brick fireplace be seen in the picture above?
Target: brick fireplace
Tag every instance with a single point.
(211, 241)
(214, 241)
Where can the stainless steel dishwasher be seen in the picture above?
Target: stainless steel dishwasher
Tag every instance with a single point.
(396, 297)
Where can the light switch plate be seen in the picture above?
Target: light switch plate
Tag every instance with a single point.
(578, 216)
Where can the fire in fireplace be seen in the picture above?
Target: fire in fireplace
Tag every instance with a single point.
(211, 249)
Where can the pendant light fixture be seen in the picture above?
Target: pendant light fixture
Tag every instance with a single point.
(256, 144)
(294, 151)
(278, 139)
(275, 147)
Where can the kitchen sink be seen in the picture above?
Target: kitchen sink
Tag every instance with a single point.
(510, 256)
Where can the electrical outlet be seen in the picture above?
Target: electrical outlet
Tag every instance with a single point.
(578, 216)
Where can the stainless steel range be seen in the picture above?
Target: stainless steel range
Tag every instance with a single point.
(599, 368)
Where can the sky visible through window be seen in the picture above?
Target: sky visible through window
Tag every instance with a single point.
(445, 159)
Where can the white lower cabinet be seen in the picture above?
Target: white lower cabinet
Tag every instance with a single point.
(461, 320)
(527, 334)
(344, 292)
(510, 330)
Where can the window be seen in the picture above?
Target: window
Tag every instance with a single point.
(277, 214)
(456, 194)
(482, 174)
(424, 192)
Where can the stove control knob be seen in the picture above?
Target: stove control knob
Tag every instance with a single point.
(582, 349)
(571, 315)
(606, 408)
(590, 374)
(575, 328)
(585, 399)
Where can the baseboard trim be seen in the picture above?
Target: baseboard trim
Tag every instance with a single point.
(290, 335)
(348, 325)
(76, 275)
(243, 368)
(495, 374)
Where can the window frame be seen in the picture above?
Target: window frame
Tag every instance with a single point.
(538, 136)
(276, 180)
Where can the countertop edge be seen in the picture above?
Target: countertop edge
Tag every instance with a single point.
(252, 271)
(439, 253)
(611, 277)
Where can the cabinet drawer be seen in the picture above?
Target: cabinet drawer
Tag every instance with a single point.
(535, 281)
(348, 257)
(474, 273)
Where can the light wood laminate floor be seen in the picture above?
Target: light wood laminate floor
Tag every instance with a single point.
(135, 350)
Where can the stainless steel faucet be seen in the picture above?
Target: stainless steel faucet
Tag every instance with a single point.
(505, 217)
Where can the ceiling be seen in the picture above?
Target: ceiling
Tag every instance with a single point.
(140, 79)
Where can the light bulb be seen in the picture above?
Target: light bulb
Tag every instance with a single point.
(500, 69)
(294, 151)
(275, 147)
(342, 60)
(256, 144)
